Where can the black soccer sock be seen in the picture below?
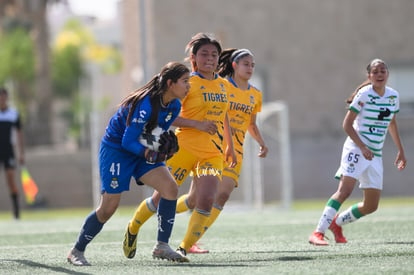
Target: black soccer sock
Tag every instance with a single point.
(90, 229)
(166, 215)
(15, 202)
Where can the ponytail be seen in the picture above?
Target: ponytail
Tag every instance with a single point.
(363, 84)
(227, 57)
(225, 67)
(155, 88)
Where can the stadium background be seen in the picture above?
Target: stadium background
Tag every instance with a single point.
(309, 54)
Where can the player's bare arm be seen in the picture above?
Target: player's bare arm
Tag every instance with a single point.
(205, 125)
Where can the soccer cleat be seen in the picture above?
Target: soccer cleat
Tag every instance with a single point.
(77, 258)
(182, 252)
(130, 244)
(195, 249)
(337, 231)
(317, 238)
(164, 252)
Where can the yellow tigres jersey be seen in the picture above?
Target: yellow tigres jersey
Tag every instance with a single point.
(206, 100)
(242, 105)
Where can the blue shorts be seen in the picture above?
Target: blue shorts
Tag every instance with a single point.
(117, 167)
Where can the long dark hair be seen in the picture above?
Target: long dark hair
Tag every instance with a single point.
(198, 40)
(227, 57)
(374, 62)
(156, 87)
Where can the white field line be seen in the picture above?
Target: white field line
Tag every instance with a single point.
(68, 245)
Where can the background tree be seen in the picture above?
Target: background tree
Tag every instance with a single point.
(37, 75)
(20, 16)
(17, 66)
(73, 48)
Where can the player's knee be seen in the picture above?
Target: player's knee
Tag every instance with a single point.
(170, 191)
(205, 203)
(343, 194)
(191, 202)
(222, 198)
(104, 214)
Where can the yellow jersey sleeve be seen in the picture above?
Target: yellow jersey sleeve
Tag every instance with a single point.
(206, 100)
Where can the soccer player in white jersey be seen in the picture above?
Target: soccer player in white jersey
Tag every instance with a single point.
(371, 114)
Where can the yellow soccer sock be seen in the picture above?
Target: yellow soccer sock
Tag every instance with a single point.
(144, 211)
(182, 204)
(215, 212)
(195, 229)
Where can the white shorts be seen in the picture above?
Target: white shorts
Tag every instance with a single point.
(369, 173)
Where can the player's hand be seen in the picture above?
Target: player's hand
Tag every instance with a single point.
(400, 161)
(168, 144)
(207, 126)
(153, 157)
(231, 157)
(263, 151)
(368, 154)
(173, 143)
(164, 143)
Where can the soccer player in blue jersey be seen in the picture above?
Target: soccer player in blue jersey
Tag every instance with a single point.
(371, 114)
(9, 120)
(122, 156)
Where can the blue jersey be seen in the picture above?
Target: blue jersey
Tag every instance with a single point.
(120, 136)
(121, 155)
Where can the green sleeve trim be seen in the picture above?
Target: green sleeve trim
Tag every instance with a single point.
(355, 211)
(334, 204)
(353, 109)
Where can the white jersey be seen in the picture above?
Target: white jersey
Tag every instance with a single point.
(374, 116)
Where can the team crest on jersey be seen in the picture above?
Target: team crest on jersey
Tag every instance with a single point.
(202, 87)
(222, 87)
(251, 99)
(350, 168)
(232, 95)
(360, 103)
(392, 100)
(114, 183)
(168, 117)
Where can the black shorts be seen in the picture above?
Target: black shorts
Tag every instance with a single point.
(7, 159)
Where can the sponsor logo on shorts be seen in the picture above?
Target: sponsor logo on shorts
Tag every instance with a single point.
(114, 183)
(350, 168)
(207, 172)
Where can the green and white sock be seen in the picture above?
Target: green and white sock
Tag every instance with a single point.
(331, 208)
(349, 215)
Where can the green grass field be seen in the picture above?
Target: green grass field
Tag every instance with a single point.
(270, 241)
